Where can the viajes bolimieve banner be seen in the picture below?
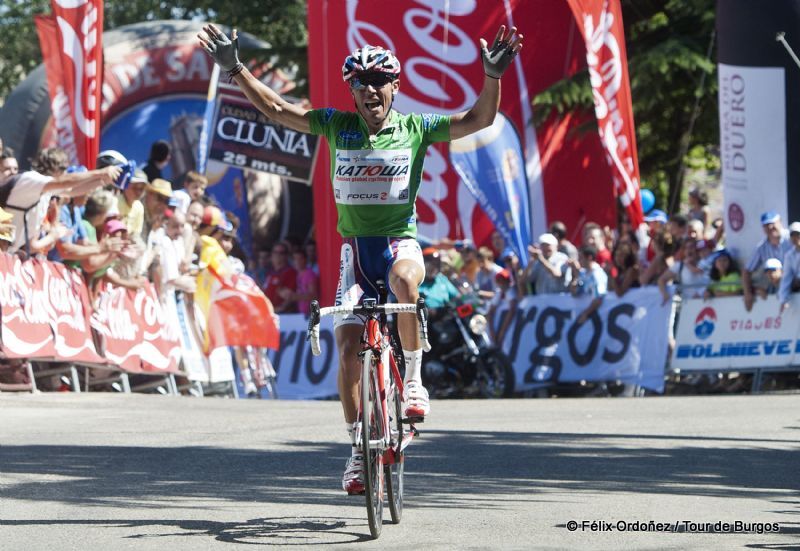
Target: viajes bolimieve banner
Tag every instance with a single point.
(720, 334)
(437, 45)
(71, 41)
(600, 22)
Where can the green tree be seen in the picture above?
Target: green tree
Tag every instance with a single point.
(673, 73)
(282, 23)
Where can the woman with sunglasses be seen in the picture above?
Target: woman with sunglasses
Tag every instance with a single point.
(377, 156)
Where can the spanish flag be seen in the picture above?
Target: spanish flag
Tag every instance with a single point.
(237, 312)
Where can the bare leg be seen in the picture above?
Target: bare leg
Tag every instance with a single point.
(405, 277)
(348, 342)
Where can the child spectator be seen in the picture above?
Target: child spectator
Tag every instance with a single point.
(773, 270)
(194, 187)
(726, 279)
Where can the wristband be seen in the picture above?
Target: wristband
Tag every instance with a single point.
(235, 71)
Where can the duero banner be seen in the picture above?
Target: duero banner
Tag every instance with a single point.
(625, 339)
(243, 137)
(721, 335)
(301, 375)
(758, 112)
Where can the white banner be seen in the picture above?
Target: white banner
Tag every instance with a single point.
(720, 334)
(301, 375)
(625, 339)
(752, 120)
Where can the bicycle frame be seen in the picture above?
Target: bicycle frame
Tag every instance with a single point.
(380, 383)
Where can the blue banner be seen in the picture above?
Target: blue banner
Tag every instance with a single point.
(491, 165)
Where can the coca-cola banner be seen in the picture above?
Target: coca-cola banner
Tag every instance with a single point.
(71, 41)
(437, 44)
(133, 330)
(600, 22)
(44, 312)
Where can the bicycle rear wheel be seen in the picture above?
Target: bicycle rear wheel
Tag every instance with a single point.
(394, 472)
(372, 429)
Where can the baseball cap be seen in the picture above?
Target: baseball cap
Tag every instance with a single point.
(772, 264)
(794, 227)
(656, 216)
(549, 239)
(770, 217)
(114, 225)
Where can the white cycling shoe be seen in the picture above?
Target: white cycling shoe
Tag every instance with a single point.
(415, 398)
(353, 478)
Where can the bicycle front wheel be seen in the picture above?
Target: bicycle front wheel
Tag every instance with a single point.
(394, 472)
(372, 430)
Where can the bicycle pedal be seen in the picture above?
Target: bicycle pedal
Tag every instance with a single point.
(413, 419)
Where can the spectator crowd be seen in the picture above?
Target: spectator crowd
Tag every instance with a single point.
(129, 226)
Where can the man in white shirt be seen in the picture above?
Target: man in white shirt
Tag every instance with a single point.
(547, 269)
(30, 196)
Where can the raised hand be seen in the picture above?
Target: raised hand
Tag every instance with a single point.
(505, 46)
(223, 50)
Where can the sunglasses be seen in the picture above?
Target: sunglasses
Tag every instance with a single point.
(376, 80)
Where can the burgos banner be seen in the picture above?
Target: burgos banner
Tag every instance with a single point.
(721, 335)
(625, 339)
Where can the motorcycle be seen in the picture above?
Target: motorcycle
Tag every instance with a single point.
(463, 361)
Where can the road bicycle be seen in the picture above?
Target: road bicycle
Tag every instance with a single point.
(381, 431)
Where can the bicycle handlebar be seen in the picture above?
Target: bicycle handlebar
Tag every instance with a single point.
(367, 308)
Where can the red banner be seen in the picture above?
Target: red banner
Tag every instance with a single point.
(134, 331)
(71, 42)
(44, 312)
(241, 315)
(601, 24)
(437, 44)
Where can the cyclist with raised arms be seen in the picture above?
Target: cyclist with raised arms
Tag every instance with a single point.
(377, 156)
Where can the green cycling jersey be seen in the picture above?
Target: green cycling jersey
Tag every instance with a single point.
(376, 178)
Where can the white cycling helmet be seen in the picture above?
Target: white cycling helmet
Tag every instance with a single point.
(370, 59)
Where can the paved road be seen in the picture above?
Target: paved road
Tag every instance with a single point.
(105, 471)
